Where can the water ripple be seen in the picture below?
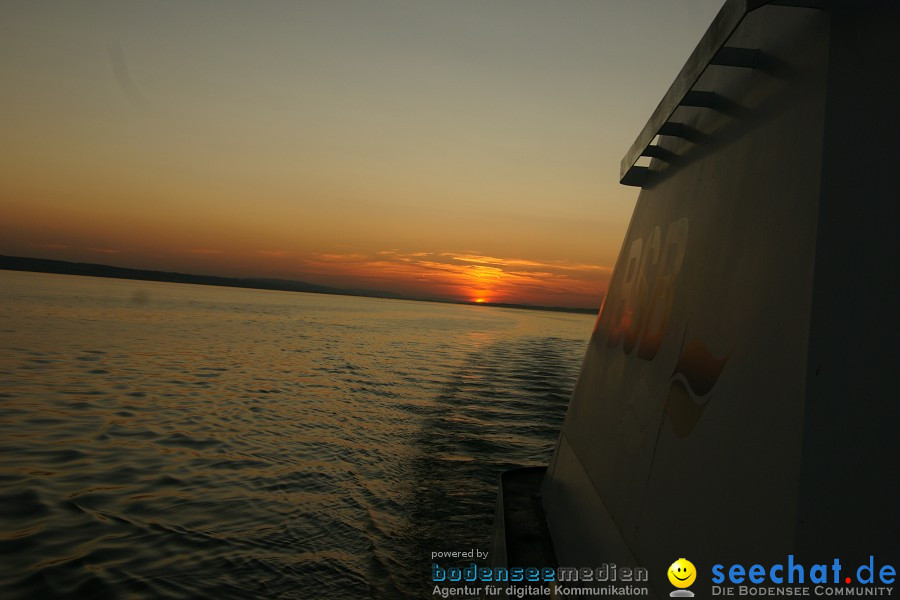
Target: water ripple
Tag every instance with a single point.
(245, 444)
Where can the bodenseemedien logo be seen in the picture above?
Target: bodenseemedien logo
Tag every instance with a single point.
(682, 574)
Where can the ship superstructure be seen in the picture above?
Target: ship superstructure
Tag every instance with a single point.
(737, 401)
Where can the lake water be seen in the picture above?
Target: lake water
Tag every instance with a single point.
(176, 441)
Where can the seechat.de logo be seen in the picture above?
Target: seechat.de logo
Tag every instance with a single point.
(682, 574)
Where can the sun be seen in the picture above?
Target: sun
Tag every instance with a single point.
(480, 300)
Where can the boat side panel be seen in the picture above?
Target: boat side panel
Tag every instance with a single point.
(850, 489)
(687, 416)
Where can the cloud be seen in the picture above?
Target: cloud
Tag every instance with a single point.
(518, 262)
(469, 275)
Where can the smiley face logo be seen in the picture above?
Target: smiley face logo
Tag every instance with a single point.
(682, 573)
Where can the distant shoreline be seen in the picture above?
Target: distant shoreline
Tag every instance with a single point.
(62, 267)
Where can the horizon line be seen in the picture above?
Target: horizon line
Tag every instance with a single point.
(83, 269)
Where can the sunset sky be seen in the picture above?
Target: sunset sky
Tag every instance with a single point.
(449, 149)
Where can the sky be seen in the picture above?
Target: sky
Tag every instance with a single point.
(444, 149)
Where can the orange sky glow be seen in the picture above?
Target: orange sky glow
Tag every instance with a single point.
(443, 150)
